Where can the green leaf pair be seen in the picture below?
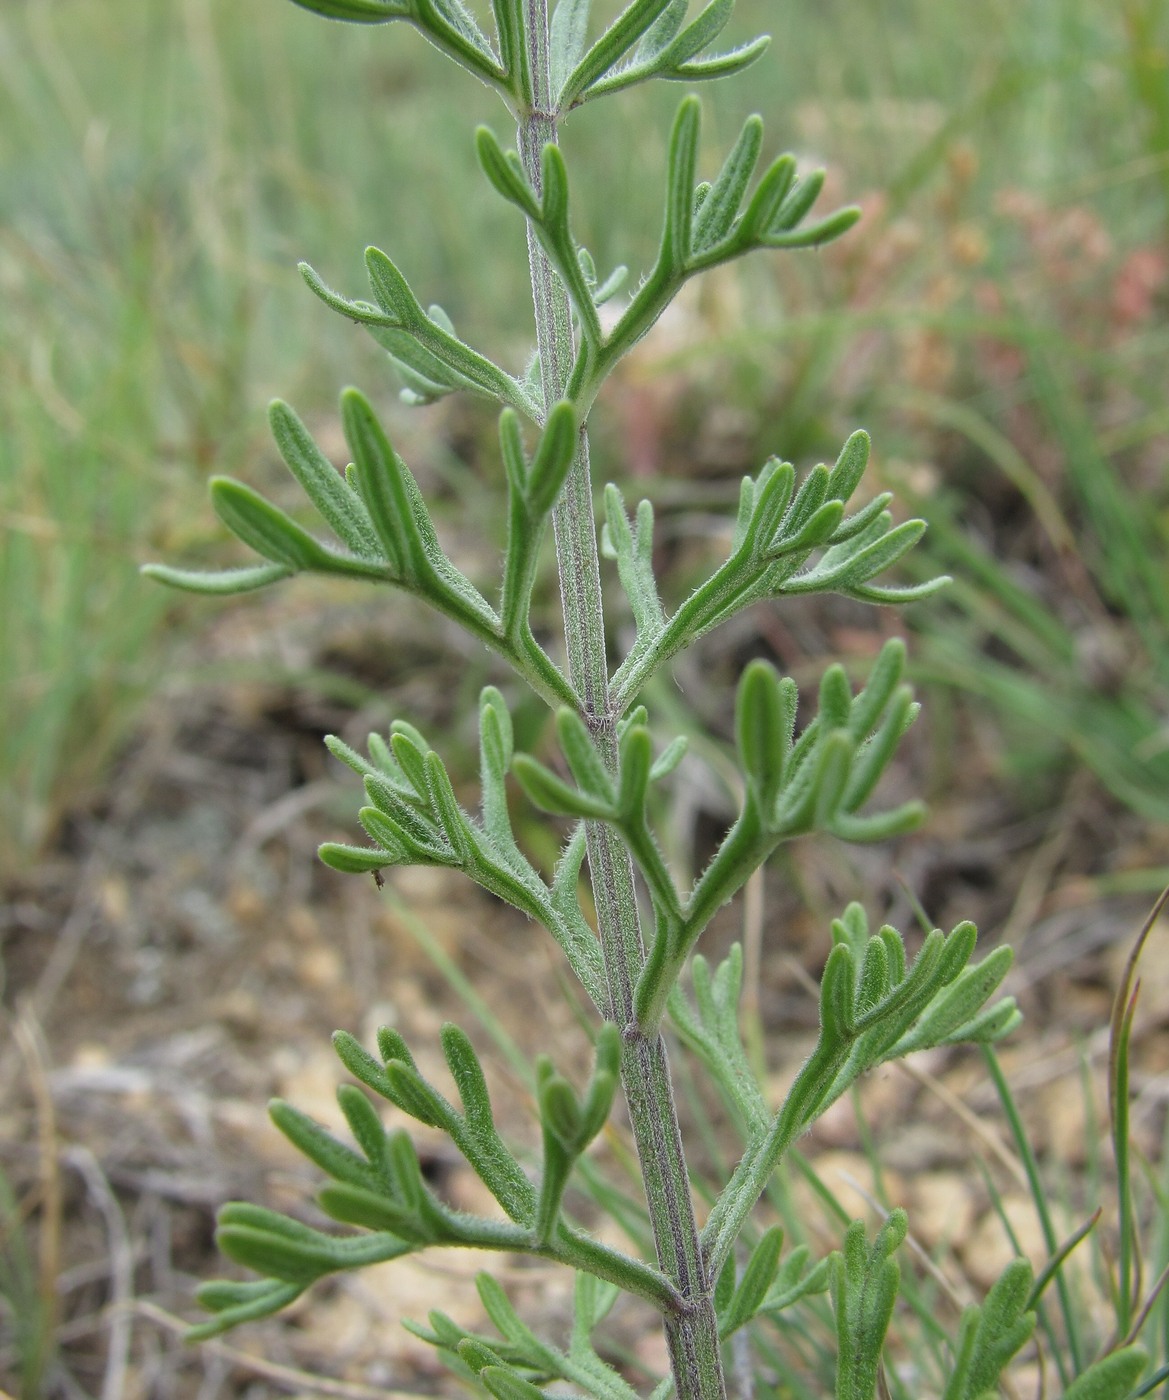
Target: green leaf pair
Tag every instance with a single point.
(570, 1123)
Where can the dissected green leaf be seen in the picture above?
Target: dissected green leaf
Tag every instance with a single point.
(411, 756)
(657, 37)
(636, 766)
(769, 195)
(284, 1249)
(388, 489)
(593, 1299)
(964, 998)
(498, 1307)
(373, 1210)
(587, 766)
(560, 1110)
(361, 1064)
(553, 457)
(453, 820)
(771, 496)
(505, 1384)
(814, 235)
(878, 691)
(467, 1072)
(849, 467)
(632, 547)
(669, 758)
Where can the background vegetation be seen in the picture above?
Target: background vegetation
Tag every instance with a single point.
(998, 324)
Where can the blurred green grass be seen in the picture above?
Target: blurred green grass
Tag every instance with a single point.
(998, 323)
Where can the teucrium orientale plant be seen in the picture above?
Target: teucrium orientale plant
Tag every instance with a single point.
(792, 536)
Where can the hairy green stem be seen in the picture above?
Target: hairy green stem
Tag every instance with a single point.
(691, 1326)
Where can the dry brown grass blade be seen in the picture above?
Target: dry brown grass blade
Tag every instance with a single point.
(1124, 993)
(121, 1269)
(983, 1131)
(30, 1042)
(1147, 1307)
(1130, 1276)
(288, 1377)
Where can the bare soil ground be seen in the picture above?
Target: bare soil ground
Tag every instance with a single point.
(182, 956)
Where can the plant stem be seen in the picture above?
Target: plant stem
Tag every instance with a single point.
(691, 1329)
